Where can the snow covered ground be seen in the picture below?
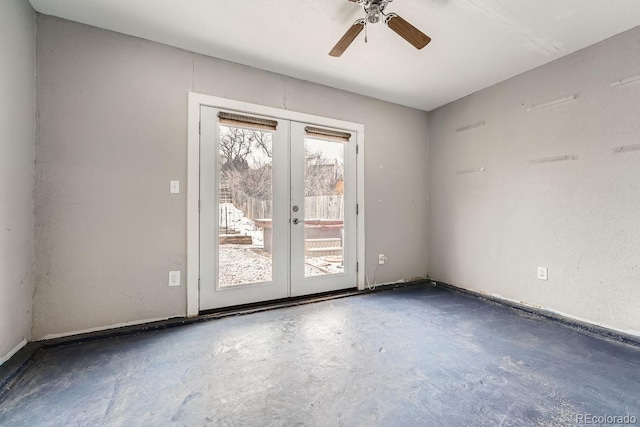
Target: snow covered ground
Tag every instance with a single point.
(240, 264)
(238, 223)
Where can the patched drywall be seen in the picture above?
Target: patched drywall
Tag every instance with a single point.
(530, 207)
(113, 133)
(17, 137)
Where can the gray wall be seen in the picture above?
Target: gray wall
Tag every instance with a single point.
(113, 132)
(17, 136)
(490, 231)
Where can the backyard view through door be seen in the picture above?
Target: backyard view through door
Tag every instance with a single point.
(272, 210)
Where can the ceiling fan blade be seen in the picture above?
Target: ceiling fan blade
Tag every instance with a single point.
(348, 38)
(407, 31)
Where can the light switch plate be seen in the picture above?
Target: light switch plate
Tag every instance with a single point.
(174, 278)
(175, 187)
(542, 273)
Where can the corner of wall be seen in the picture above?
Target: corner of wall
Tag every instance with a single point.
(17, 202)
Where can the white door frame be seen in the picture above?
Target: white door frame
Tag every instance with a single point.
(197, 100)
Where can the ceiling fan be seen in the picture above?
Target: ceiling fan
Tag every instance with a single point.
(374, 12)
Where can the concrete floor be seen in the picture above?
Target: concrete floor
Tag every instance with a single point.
(415, 356)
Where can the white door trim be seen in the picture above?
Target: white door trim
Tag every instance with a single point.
(197, 100)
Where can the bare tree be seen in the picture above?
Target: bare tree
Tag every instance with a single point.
(254, 182)
(237, 145)
(322, 176)
(245, 161)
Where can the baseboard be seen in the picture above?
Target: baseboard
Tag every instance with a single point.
(13, 351)
(82, 332)
(579, 325)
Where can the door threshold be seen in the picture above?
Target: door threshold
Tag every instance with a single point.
(301, 300)
(277, 303)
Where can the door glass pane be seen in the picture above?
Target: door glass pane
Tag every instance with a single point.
(323, 207)
(245, 206)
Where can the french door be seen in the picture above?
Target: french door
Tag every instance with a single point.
(277, 209)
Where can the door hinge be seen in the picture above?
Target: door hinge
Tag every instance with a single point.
(357, 267)
(357, 149)
(357, 208)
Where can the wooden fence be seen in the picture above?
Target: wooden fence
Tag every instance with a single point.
(253, 208)
(325, 207)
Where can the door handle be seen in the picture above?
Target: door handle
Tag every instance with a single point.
(297, 221)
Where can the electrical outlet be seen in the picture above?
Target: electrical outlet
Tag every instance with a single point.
(381, 259)
(174, 278)
(174, 187)
(542, 273)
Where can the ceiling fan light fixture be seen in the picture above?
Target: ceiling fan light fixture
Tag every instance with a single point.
(374, 14)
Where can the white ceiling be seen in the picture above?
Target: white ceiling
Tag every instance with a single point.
(476, 43)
